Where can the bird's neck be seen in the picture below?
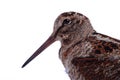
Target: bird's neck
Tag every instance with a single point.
(77, 37)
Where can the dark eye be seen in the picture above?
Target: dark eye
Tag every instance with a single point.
(67, 21)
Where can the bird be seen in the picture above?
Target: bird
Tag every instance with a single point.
(85, 53)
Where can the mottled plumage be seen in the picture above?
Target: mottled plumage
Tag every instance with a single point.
(85, 54)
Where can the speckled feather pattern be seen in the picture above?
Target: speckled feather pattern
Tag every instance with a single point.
(85, 53)
(95, 58)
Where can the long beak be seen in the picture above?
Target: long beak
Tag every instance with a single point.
(48, 42)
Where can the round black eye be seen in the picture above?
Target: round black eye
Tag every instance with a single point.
(67, 21)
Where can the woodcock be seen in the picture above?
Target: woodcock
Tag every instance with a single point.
(85, 54)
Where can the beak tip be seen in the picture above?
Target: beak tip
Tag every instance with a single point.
(23, 66)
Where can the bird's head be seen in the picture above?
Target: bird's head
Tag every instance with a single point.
(69, 27)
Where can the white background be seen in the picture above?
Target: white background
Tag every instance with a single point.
(26, 24)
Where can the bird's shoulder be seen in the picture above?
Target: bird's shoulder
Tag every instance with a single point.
(98, 48)
(99, 45)
(103, 62)
(103, 44)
